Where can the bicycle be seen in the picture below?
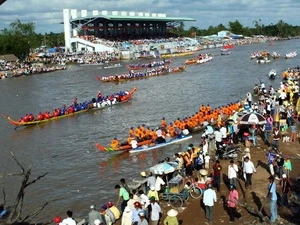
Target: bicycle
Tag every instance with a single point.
(194, 191)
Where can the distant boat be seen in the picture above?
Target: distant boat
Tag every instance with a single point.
(228, 46)
(225, 51)
(290, 55)
(112, 66)
(272, 74)
(275, 55)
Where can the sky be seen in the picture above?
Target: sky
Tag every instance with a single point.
(47, 14)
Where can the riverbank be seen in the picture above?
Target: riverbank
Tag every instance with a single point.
(193, 212)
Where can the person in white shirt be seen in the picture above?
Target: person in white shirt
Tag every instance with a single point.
(223, 131)
(206, 161)
(218, 138)
(209, 199)
(248, 170)
(232, 173)
(249, 98)
(144, 200)
(127, 216)
(155, 212)
(159, 182)
(204, 143)
(133, 143)
(69, 220)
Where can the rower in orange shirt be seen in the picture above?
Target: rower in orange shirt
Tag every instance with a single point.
(114, 143)
(131, 132)
(129, 139)
(163, 123)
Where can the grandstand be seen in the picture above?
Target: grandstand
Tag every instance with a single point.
(97, 31)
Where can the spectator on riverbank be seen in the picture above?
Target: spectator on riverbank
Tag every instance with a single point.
(285, 189)
(153, 193)
(232, 203)
(94, 215)
(209, 199)
(69, 220)
(124, 185)
(127, 216)
(248, 170)
(273, 199)
(124, 195)
(232, 173)
(217, 175)
(156, 212)
(143, 220)
(171, 218)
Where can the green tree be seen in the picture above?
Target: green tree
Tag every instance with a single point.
(236, 27)
(221, 27)
(18, 39)
(258, 27)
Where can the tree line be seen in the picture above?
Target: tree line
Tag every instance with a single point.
(280, 29)
(19, 38)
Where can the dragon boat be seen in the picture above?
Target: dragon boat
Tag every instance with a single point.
(150, 72)
(71, 110)
(142, 66)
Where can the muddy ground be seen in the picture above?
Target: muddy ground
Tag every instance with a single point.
(254, 198)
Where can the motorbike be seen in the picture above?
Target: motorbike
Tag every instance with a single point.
(227, 152)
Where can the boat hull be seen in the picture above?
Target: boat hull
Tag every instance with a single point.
(148, 148)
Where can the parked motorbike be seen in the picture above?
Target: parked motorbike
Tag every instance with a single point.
(228, 152)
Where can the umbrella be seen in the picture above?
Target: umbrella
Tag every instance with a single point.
(162, 168)
(253, 118)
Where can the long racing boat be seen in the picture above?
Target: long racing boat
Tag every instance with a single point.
(144, 148)
(91, 106)
(142, 66)
(150, 72)
(121, 148)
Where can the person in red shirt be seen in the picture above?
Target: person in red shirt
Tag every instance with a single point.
(217, 168)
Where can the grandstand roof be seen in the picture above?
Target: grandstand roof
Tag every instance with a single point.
(133, 18)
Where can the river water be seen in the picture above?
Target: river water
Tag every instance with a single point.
(78, 174)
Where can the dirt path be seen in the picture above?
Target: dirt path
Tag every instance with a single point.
(254, 197)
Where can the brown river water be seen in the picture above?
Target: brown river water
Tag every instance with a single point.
(78, 174)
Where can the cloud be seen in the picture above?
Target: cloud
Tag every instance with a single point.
(47, 14)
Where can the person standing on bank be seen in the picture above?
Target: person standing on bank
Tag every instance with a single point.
(143, 220)
(217, 175)
(232, 203)
(124, 185)
(122, 194)
(273, 198)
(171, 218)
(156, 212)
(276, 137)
(285, 188)
(248, 170)
(94, 215)
(232, 173)
(209, 198)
